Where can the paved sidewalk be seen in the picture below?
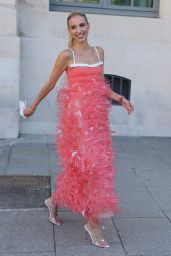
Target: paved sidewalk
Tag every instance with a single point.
(144, 190)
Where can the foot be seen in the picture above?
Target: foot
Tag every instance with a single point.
(53, 212)
(95, 232)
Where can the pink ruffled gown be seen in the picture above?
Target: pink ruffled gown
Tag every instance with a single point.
(86, 182)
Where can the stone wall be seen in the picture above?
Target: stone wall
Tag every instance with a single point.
(9, 69)
(135, 47)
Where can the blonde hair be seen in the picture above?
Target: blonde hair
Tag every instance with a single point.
(73, 14)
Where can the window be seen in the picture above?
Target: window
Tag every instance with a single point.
(120, 85)
(144, 8)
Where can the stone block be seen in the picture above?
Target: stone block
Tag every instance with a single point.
(29, 232)
(162, 196)
(51, 139)
(37, 127)
(139, 162)
(6, 142)
(128, 181)
(28, 166)
(35, 72)
(34, 4)
(31, 254)
(28, 160)
(9, 123)
(33, 23)
(58, 26)
(89, 250)
(29, 150)
(32, 139)
(154, 178)
(168, 214)
(9, 47)
(8, 24)
(53, 160)
(6, 101)
(138, 204)
(9, 72)
(165, 7)
(145, 236)
(8, 2)
(4, 155)
(46, 49)
(73, 232)
(161, 146)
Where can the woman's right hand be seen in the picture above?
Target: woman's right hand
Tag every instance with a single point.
(28, 111)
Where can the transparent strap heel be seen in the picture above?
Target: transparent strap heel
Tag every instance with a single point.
(55, 220)
(102, 243)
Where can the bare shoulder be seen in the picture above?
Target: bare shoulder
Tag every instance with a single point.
(100, 51)
(65, 54)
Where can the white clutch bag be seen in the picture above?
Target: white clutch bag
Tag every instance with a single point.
(22, 106)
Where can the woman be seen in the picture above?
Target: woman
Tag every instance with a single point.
(86, 183)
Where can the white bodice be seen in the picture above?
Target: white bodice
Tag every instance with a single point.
(86, 64)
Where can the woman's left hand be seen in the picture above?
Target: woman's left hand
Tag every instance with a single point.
(29, 111)
(127, 105)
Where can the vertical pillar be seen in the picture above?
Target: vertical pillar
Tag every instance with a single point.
(165, 9)
(9, 70)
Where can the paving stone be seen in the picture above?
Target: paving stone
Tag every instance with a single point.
(131, 145)
(163, 197)
(53, 159)
(28, 166)
(89, 250)
(25, 231)
(154, 177)
(4, 155)
(28, 159)
(168, 213)
(145, 161)
(32, 139)
(162, 147)
(126, 139)
(159, 144)
(51, 139)
(143, 186)
(72, 232)
(128, 181)
(6, 142)
(55, 168)
(29, 150)
(29, 254)
(138, 204)
(165, 158)
(137, 154)
(145, 236)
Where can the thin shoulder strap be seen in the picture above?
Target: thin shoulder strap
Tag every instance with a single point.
(73, 55)
(97, 53)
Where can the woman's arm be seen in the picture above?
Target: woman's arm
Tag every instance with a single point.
(123, 101)
(113, 95)
(60, 66)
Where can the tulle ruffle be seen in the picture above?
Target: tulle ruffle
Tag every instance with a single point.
(86, 182)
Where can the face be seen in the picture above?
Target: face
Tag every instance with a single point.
(78, 28)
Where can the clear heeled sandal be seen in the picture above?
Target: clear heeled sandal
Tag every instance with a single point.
(55, 220)
(102, 243)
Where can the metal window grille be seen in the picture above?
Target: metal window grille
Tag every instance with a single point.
(144, 8)
(120, 85)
